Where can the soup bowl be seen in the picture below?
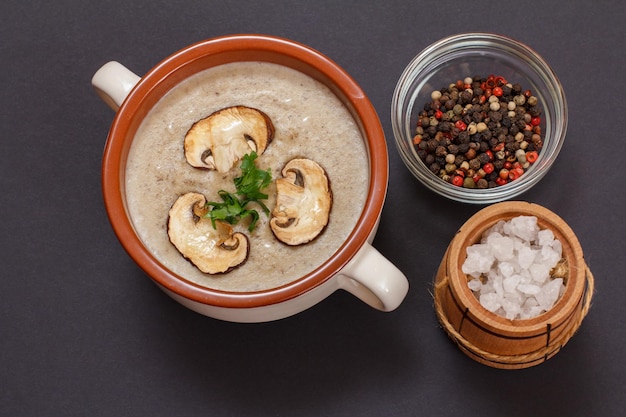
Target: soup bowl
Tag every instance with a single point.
(355, 266)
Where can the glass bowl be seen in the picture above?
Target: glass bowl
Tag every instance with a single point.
(468, 55)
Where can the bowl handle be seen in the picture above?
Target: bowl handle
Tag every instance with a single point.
(374, 279)
(113, 82)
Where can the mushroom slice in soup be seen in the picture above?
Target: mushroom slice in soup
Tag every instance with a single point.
(218, 141)
(212, 250)
(303, 202)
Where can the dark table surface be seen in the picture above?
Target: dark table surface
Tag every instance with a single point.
(83, 332)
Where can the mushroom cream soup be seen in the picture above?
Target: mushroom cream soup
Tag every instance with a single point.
(309, 121)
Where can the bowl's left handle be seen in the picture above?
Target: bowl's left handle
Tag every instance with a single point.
(113, 82)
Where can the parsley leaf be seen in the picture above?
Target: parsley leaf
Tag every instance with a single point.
(249, 185)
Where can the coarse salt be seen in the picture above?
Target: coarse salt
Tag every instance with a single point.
(509, 269)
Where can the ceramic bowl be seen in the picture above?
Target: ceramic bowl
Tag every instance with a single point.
(355, 267)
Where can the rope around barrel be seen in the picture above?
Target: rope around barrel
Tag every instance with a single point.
(513, 359)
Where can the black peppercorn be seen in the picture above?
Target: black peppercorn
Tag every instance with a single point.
(445, 126)
(466, 97)
(477, 116)
(496, 116)
(435, 168)
(511, 146)
(469, 125)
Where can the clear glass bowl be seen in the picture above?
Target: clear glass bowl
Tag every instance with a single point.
(467, 55)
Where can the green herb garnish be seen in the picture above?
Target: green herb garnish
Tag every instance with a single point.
(249, 185)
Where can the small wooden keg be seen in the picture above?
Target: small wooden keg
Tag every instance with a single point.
(497, 341)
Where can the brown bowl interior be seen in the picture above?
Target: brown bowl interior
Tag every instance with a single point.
(215, 52)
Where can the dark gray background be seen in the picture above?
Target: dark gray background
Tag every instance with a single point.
(83, 332)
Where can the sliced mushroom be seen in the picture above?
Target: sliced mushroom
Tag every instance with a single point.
(218, 141)
(212, 250)
(303, 202)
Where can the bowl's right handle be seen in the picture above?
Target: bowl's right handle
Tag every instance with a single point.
(374, 279)
(113, 82)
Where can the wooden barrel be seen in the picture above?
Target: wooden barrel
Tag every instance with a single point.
(497, 341)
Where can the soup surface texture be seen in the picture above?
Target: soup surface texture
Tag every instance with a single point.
(309, 120)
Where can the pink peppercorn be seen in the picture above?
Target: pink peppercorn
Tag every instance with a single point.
(460, 124)
(457, 180)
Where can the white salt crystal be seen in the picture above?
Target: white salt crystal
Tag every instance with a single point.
(524, 227)
(511, 308)
(526, 257)
(558, 247)
(490, 301)
(510, 283)
(491, 235)
(530, 302)
(487, 287)
(496, 279)
(549, 256)
(513, 262)
(506, 269)
(530, 312)
(501, 247)
(545, 237)
(475, 284)
(479, 260)
(516, 296)
(527, 278)
(496, 228)
(549, 293)
(529, 289)
(539, 272)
